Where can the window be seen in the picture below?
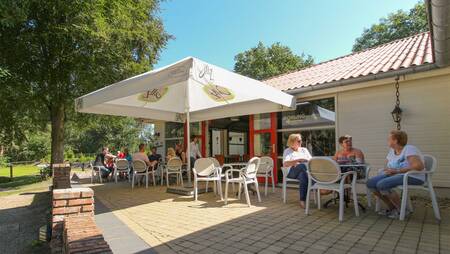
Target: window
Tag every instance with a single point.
(315, 121)
(261, 121)
(174, 130)
(309, 114)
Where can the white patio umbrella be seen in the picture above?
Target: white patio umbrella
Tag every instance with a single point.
(189, 90)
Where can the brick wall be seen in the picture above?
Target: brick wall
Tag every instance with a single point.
(61, 176)
(81, 235)
(73, 225)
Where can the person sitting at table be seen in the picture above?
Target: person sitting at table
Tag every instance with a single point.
(170, 154)
(127, 155)
(101, 162)
(140, 155)
(400, 159)
(120, 155)
(348, 153)
(179, 151)
(295, 157)
(154, 156)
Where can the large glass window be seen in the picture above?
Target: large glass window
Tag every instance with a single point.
(174, 130)
(315, 121)
(307, 114)
(262, 144)
(261, 121)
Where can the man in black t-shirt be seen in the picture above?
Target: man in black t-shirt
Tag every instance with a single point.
(154, 156)
(100, 162)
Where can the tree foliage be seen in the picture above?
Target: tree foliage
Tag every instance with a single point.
(263, 62)
(55, 51)
(397, 25)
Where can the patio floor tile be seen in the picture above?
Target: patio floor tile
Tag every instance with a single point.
(177, 224)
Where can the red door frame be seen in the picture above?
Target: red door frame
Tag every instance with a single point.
(273, 140)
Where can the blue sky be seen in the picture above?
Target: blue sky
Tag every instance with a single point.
(217, 30)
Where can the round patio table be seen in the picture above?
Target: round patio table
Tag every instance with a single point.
(360, 168)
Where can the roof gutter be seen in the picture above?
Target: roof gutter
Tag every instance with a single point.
(373, 77)
(439, 19)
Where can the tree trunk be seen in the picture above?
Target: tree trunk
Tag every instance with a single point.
(57, 119)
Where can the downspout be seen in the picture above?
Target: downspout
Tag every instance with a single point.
(439, 18)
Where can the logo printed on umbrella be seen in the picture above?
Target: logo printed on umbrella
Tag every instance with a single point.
(153, 95)
(218, 93)
(206, 71)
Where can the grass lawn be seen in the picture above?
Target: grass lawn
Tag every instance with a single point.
(24, 177)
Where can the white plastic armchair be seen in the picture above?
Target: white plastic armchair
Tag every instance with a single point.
(204, 170)
(174, 167)
(220, 172)
(247, 175)
(285, 171)
(121, 166)
(364, 181)
(327, 175)
(95, 171)
(140, 168)
(430, 168)
(266, 170)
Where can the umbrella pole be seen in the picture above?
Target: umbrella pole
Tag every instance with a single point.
(188, 148)
(188, 134)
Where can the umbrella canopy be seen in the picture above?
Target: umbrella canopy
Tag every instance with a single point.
(205, 91)
(189, 90)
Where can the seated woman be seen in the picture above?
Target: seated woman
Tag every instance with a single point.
(295, 158)
(179, 151)
(348, 153)
(400, 159)
(170, 154)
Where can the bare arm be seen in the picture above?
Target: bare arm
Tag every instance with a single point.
(359, 155)
(293, 162)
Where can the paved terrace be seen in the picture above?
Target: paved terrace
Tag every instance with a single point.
(176, 224)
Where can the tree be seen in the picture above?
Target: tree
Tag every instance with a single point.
(263, 62)
(397, 25)
(88, 133)
(56, 51)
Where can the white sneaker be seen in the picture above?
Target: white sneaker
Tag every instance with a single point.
(394, 214)
(384, 212)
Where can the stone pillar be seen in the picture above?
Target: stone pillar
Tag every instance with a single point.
(61, 176)
(72, 202)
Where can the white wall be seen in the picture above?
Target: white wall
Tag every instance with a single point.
(365, 114)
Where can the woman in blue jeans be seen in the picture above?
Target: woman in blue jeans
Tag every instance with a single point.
(295, 158)
(400, 159)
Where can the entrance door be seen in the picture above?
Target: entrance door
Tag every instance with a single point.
(263, 137)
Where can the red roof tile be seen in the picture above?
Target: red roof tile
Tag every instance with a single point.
(400, 54)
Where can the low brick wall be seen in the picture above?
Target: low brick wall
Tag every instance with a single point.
(73, 225)
(81, 235)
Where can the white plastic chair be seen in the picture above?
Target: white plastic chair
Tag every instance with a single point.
(204, 170)
(140, 169)
(220, 172)
(327, 176)
(247, 175)
(266, 170)
(95, 170)
(121, 166)
(364, 182)
(430, 168)
(174, 167)
(285, 171)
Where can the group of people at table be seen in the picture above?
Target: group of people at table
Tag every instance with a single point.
(400, 159)
(105, 160)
